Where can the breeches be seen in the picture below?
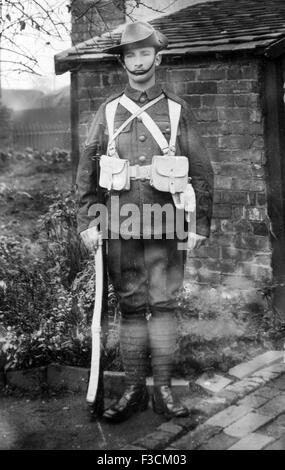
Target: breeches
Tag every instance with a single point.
(146, 274)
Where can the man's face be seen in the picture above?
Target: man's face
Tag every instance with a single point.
(140, 63)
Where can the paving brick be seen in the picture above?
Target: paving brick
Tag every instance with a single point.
(194, 439)
(219, 442)
(230, 397)
(280, 421)
(248, 368)
(228, 416)
(274, 407)
(277, 445)
(253, 441)
(247, 424)
(171, 428)
(213, 384)
(268, 373)
(189, 423)
(267, 392)
(210, 406)
(279, 383)
(253, 400)
(154, 441)
(272, 429)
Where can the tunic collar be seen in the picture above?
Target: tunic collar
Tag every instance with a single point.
(151, 93)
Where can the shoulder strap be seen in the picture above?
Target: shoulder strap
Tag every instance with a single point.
(174, 114)
(111, 109)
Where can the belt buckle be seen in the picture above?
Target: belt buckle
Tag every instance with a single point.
(144, 173)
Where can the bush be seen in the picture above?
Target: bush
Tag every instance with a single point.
(47, 295)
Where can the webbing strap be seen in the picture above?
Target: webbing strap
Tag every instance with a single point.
(135, 110)
(111, 111)
(147, 121)
(174, 114)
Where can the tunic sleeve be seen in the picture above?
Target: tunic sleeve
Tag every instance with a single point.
(200, 170)
(86, 179)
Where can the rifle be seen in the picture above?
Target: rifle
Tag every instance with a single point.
(95, 393)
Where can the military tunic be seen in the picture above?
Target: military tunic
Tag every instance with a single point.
(146, 272)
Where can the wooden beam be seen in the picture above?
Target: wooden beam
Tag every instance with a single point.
(275, 165)
(74, 119)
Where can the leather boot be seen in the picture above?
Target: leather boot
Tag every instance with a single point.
(135, 398)
(164, 403)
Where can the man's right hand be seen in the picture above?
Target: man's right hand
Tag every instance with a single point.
(90, 238)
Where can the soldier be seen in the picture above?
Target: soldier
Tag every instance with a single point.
(143, 152)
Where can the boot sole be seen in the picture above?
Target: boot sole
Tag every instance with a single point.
(119, 418)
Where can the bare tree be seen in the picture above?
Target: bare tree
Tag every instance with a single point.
(26, 21)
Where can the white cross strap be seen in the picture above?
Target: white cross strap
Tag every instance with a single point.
(135, 110)
(110, 116)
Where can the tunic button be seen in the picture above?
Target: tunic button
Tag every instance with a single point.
(139, 118)
(142, 159)
(167, 130)
(142, 138)
(142, 99)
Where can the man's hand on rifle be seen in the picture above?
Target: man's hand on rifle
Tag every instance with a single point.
(90, 238)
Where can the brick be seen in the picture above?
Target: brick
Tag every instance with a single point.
(223, 182)
(228, 416)
(189, 423)
(213, 384)
(280, 383)
(277, 445)
(210, 406)
(206, 114)
(211, 74)
(183, 75)
(234, 197)
(209, 88)
(247, 368)
(236, 142)
(249, 184)
(249, 423)
(274, 407)
(194, 101)
(230, 252)
(237, 86)
(218, 100)
(251, 242)
(253, 400)
(154, 441)
(273, 430)
(233, 114)
(251, 155)
(219, 442)
(267, 392)
(222, 211)
(171, 428)
(194, 439)
(267, 373)
(254, 441)
(247, 100)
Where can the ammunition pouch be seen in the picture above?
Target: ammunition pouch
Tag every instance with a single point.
(114, 173)
(169, 173)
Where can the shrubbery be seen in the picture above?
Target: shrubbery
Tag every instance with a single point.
(47, 293)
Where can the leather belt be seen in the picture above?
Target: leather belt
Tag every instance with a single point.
(138, 172)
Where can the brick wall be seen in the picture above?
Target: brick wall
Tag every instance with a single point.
(91, 18)
(226, 99)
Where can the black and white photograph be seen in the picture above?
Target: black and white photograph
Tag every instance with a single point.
(142, 228)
